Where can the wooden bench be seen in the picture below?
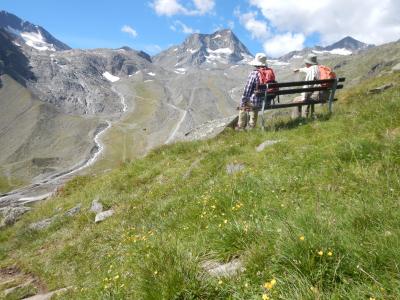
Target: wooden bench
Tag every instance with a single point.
(288, 88)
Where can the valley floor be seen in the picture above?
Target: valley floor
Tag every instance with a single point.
(312, 216)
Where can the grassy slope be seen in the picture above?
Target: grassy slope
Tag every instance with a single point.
(32, 131)
(335, 181)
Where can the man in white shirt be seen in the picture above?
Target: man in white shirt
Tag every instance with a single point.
(312, 73)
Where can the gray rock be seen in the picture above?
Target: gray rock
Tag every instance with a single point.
(49, 295)
(396, 68)
(23, 290)
(234, 168)
(191, 168)
(215, 269)
(43, 224)
(266, 144)
(96, 207)
(73, 211)
(210, 129)
(103, 215)
(13, 214)
(380, 89)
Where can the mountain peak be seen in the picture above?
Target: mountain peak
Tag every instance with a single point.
(30, 34)
(348, 43)
(222, 46)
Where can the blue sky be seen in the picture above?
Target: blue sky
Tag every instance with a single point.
(274, 27)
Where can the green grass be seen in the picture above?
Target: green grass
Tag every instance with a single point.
(334, 181)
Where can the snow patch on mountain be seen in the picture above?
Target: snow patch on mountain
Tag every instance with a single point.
(192, 51)
(110, 77)
(180, 71)
(32, 39)
(339, 51)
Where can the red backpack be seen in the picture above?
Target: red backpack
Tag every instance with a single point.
(326, 73)
(267, 75)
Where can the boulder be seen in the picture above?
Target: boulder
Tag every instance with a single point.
(380, 89)
(49, 295)
(73, 211)
(13, 214)
(266, 144)
(234, 168)
(103, 215)
(43, 224)
(396, 68)
(216, 269)
(96, 207)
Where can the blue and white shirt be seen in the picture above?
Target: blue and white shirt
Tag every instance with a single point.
(249, 94)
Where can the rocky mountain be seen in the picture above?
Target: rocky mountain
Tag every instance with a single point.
(221, 47)
(345, 46)
(12, 61)
(348, 43)
(79, 81)
(29, 34)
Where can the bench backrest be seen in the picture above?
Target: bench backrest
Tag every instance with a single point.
(286, 88)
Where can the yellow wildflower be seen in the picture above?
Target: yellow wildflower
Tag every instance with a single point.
(330, 253)
(155, 272)
(225, 221)
(116, 277)
(213, 206)
(320, 253)
(270, 285)
(265, 297)
(220, 282)
(302, 238)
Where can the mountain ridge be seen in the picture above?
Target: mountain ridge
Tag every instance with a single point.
(33, 35)
(198, 49)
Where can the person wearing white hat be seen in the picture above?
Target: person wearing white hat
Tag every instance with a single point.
(311, 70)
(251, 101)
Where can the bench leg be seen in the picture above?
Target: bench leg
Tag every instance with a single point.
(262, 116)
(332, 96)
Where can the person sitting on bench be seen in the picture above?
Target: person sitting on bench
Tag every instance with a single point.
(312, 73)
(251, 101)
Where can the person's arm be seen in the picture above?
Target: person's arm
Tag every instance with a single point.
(249, 88)
(302, 70)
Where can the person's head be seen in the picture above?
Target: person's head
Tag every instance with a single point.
(311, 60)
(260, 60)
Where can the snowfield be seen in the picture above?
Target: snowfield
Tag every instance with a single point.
(110, 77)
(32, 39)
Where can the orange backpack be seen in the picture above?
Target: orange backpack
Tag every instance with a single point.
(326, 73)
(266, 76)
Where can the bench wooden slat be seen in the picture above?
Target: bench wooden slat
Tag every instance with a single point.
(301, 90)
(293, 104)
(299, 83)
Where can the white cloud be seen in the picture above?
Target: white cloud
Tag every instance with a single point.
(369, 21)
(129, 30)
(284, 43)
(257, 28)
(168, 7)
(174, 7)
(180, 26)
(204, 6)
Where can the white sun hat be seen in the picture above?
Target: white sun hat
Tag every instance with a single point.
(311, 59)
(259, 60)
